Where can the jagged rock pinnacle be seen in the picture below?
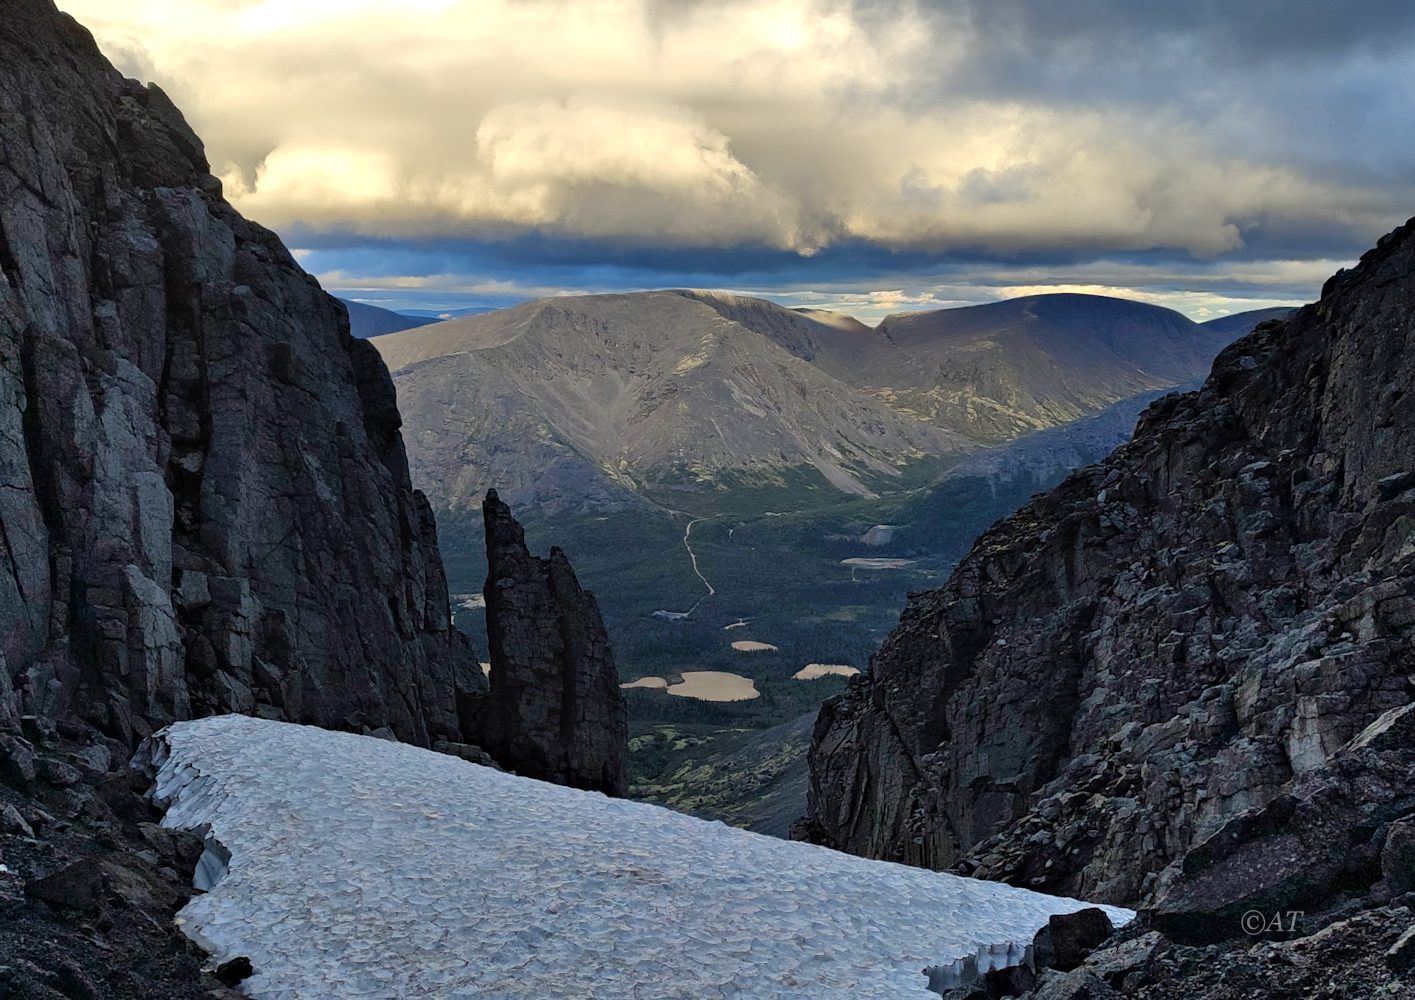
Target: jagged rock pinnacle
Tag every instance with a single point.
(555, 710)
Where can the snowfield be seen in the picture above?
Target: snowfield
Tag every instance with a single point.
(364, 868)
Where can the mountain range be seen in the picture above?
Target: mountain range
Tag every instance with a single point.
(1241, 323)
(996, 371)
(592, 400)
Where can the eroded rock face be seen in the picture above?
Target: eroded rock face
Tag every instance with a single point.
(204, 497)
(555, 711)
(1185, 634)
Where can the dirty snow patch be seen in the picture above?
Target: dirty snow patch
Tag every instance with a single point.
(364, 868)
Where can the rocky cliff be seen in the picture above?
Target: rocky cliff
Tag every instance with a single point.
(1154, 684)
(204, 496)
(555, 711)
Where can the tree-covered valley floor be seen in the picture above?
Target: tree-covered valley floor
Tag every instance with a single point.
(775, 556)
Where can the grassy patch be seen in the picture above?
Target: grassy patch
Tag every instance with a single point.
(754, 779)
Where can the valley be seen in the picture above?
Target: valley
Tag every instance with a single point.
(734, 537)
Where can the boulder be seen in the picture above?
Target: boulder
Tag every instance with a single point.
(1401, 955)
(1068, 938)
(1079, 984)
(17, 766)
(91, 884)
(235, 971)
(1398, 856)
(469, 753)
(1122, 964)
(11, 822)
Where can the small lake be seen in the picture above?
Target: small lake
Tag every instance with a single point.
(715, 685)
(815, 671)
(704, 685)
(654, 683)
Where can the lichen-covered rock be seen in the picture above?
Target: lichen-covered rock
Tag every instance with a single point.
(555, 711)
(1188, 633)
(204, 499)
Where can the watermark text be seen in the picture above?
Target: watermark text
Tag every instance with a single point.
(1256, 922)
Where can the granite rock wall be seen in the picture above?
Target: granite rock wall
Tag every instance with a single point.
(1184, 635)
(204, 498)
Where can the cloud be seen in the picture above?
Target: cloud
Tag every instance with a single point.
(606, 168)
(997, 127)
(866, 155)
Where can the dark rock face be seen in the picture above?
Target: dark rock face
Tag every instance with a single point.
(555, 711)
(204, 499)
(1068, 938)
(1151, 684)
(1398, 856)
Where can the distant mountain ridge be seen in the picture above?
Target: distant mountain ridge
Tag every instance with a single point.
(1243, 323)
(374, 321)
(996, 371)
(589, 397)
(600, 399)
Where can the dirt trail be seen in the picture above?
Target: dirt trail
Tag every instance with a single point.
(693, 558)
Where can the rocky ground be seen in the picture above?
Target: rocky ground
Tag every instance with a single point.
(1312, 897)
(1364, 955)
(89, 883)
(1182, 680)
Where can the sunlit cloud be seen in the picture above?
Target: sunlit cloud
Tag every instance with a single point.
(785, 123)
(1050, 145)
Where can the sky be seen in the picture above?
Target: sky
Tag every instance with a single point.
(867, 155)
